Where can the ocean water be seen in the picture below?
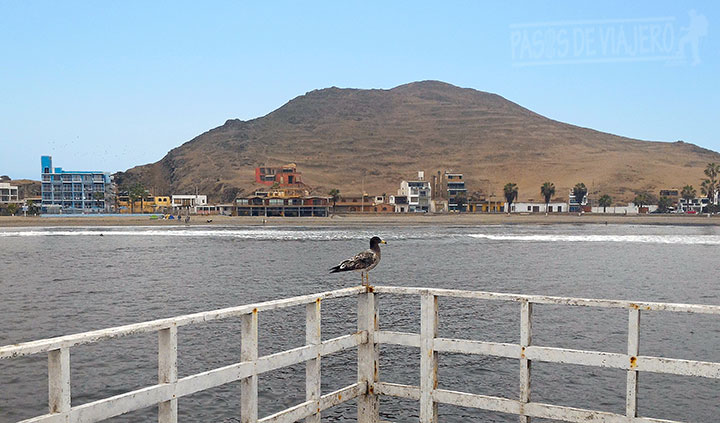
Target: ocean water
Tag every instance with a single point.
(56, 281)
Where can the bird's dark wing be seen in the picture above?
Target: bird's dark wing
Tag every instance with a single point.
(360, 261)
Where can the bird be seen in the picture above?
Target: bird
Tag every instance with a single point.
(362, 262)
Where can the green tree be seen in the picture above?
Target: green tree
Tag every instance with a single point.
(547, 190)
(579, 191)
(664, 204)
(511, 193)
(136, 192)
(642, 199)
(605, 201)
(688, 192)
(710, 185)
(12, 208)
(31, 207)
(334, 196)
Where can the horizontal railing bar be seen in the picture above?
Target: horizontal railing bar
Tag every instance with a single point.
(497, 349)
(580, 357)
(110, 407)
(397, 390)
(580, 415)
(541, 299)
(678, 366)
(309, 408)
(149, 396)
(559, 355)
(44, 345)
(398, 338)
(505, 405)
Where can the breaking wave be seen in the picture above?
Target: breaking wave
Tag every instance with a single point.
(640, 239)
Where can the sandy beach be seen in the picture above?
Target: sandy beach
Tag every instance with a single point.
(372, 220)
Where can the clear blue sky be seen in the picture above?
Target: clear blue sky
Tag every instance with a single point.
(110, 85)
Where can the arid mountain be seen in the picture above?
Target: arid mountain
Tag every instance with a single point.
(342, 137)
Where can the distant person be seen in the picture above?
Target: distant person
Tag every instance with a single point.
(187, 219)
(697, 29)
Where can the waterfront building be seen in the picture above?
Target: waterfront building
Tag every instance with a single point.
(693, 205)
(536, 207)
(8, 193)
(455, 192)
(287, 175)
(400, 202)
(66, 191)
(574, 205)
(283, 203)
(147, 204)
(183, 202)
(418, 193)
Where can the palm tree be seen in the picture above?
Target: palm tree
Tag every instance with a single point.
(335, 196)
(136, 192)
(579, 191)
(605, 201)
(688, 192)
(664, 204)
(547, 190)
(712, 171)
(511, 193)
(641, 200)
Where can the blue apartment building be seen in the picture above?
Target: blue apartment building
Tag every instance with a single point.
(73, 192)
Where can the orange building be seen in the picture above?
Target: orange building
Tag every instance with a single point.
(283, 176)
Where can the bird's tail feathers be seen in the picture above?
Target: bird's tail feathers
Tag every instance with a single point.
(335, 269)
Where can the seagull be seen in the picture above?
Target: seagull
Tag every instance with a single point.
(362, 262)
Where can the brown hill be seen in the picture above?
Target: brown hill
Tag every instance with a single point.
(338, 137)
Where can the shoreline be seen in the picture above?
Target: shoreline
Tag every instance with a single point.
(371, 220)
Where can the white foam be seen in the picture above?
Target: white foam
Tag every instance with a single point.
(641, 239)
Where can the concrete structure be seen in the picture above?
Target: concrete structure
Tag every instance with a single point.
(65, 191)
(418, 193)
(694, 205)
(366, 386)
(282, 176)
(574, 205)
(535, 207)
(487, 205)
(8, 193)
(281, 206)
(187, 202)
(400, 202)
(147, 204)
(631, 208)
(455, 192)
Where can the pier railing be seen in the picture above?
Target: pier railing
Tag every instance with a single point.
(368, 388)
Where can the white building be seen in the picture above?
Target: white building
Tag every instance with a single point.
(188, 201)
(631, 208)
(8, 193)
(693, 205)
(534, 207)
(418, 193)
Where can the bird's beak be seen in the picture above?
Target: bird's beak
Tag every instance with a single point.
(383, 242)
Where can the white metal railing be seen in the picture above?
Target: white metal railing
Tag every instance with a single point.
(367, 339)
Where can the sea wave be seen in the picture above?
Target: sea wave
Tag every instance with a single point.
(250, 233)
(641, 239)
